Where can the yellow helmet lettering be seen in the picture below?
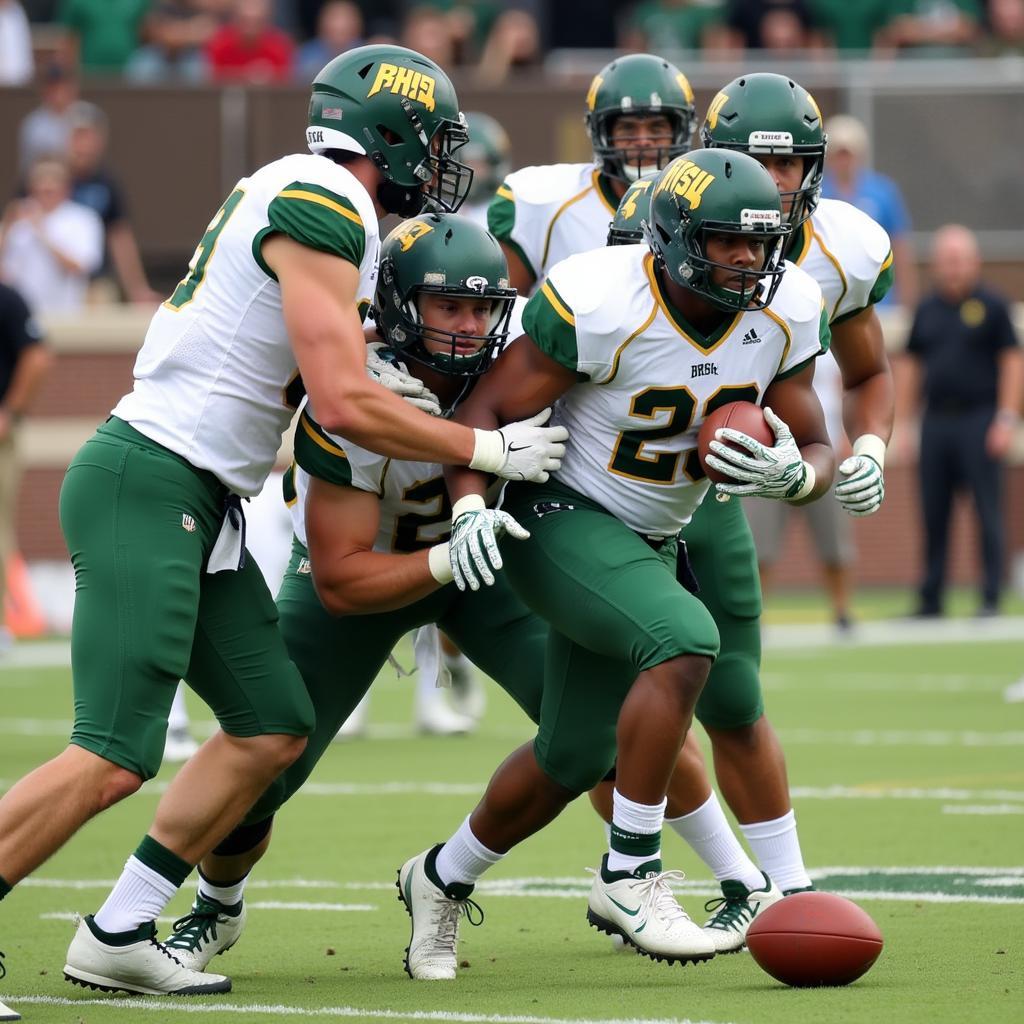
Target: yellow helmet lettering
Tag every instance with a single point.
(628, 208)
(592, 91)
(410, 232)
(715, 109)
(414, 85)
(814, 104)
(684, 84)
(686, 180)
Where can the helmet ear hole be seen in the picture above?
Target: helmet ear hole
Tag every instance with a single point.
(665, 236)
(390, 136)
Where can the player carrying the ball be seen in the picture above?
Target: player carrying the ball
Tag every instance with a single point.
(636, 344)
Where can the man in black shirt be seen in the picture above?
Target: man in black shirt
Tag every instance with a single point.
(963, 340)
(23, 363)
(94, 186)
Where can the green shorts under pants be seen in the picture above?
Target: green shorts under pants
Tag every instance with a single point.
(614, 608)
(140, 522)
(340, 657)
(722, 556)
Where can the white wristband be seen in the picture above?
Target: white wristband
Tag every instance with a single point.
(440, 563)
(469, 503)
(808, 484)
(872, 446)
(488, 451)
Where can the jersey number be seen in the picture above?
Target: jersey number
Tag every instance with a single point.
(407, 527)
(628, 458)
(186, 289)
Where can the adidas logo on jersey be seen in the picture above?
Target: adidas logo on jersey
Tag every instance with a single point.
(703, 370)
(751, 338)
(188, 524)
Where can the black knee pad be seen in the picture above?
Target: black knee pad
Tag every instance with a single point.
(244, 838)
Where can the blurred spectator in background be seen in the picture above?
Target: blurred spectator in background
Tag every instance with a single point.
(44, 132)
(963, 340)
(853, 26)
(658, 25)
(24, 362)
(16, 63)
(488, 152)
(770, 25)
(174, 36)
(93, 185)
(248, 48)
(469, 24)
(1006, 27)
(514, 44)
(426, 30)
(848, 177)
(49, 245)
(107, 31)
(935, 28)
(829, 524)
(339, 28)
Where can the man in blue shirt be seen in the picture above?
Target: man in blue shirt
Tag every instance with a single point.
(848, 178)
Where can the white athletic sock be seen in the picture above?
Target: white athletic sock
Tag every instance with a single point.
(463, 859)
(707, 831)
(636, 831)
(177, 720)
(228, 895)
(777, 849)
(139, 896)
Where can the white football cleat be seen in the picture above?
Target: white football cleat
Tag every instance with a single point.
(435, 718)
(1014, 693)
(179, 746)
(6, 1013)
(208, 929)
(734, 912)
(140, 966)
(435, 912)
(355, 725)
(643, 910)
(468, 695)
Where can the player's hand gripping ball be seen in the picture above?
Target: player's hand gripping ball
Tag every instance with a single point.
(743, 416)
(812, 939)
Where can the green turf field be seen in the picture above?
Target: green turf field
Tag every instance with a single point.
(908, 779)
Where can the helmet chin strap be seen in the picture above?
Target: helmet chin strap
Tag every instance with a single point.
(400, 200)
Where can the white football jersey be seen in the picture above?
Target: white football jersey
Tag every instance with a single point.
(847, 253)
(549, 213)
(415, 512)
(648, 378)
(216, 378)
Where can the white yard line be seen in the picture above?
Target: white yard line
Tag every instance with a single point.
(983, 809)
(262, 1009)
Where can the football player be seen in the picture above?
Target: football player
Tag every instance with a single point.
(151, 505)
(488, 152)
(637, 344)
(371, 560)
(639, 115)
(777, 122)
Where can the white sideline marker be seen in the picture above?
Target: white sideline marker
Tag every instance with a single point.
(263, 1009)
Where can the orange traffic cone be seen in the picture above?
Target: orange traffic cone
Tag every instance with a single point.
(23, 615)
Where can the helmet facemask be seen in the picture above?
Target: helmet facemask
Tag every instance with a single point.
(616, 159)
(756, 287)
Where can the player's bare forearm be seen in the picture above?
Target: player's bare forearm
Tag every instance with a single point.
(868, 390)
(523, 382)
(350, 577)
(794, 400)
(364, 582)
(1010, 401)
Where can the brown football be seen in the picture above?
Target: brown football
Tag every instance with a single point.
(743, 416)
(811, 939)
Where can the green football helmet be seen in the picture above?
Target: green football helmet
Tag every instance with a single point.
(634, 208)
(716, 191)
(488, 153)
(443, 254)
(398, 108)
(766, 114)
(640, 84)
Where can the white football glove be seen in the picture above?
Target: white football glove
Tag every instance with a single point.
(776, 472)
(524, 450)
(862, 491)
(396, 378)
(473, 546)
